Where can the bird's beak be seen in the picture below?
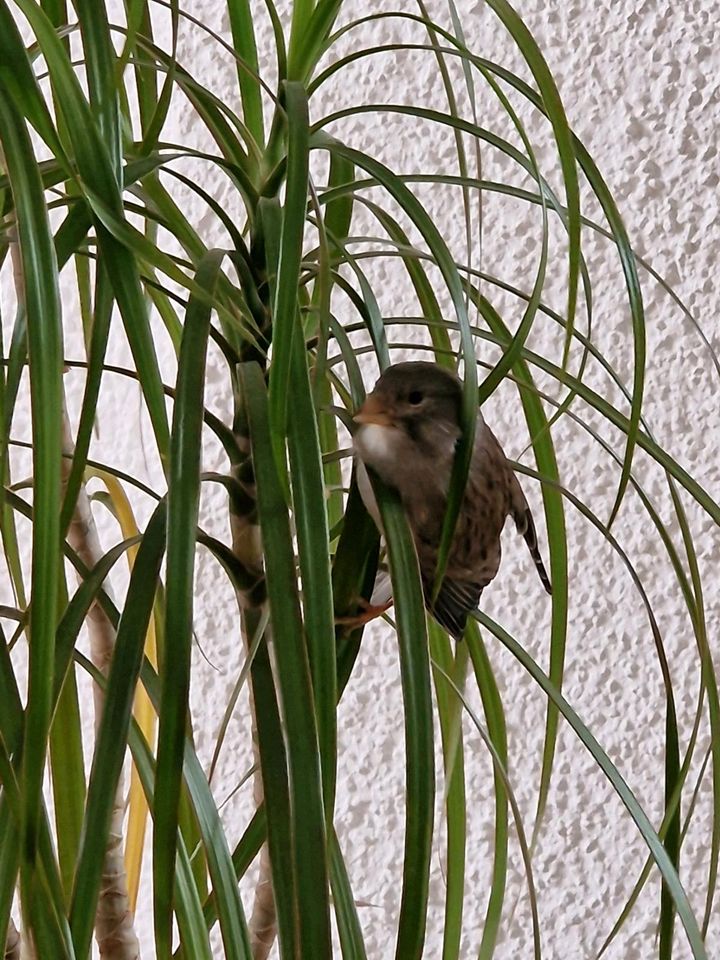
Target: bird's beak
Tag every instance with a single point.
(373, 411)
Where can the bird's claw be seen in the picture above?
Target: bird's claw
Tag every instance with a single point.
(369, 612)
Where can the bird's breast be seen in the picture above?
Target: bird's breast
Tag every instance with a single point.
(368, 497)
(374, 443)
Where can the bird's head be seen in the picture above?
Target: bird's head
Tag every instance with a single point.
(414, 407)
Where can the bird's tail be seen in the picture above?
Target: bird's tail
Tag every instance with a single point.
(526, 526)
(455, 600)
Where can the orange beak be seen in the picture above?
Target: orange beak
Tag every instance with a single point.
(373, 411)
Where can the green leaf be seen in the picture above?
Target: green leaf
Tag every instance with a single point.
(501, 771)
(627, 260)
(96, 356)
(293, 680)
(353, 576)
(427, 299)
(454, 770)
(225, 888)
(544, 450)
(563, 137)
(243, 35)
(183, 503)
(68, 779)
(349, 929)
(285, 306)
(100, 183)
(9, 866)
(497, 732)
(112, 736)
(19, 84)
(311, 526)
(276, 790)
(647, 832)
(414, 209)
(309, 35)
(191, 923)
(41, 300)
(100, 71)
(71, 622)
(420, 760)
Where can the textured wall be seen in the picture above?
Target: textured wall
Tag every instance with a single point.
(641, 84)
(641, 88)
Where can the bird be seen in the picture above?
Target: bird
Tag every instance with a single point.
(407, 432)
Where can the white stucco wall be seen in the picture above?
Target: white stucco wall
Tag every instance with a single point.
(641, 85)
(641, 88)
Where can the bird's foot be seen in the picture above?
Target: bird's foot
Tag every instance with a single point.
(369, 612)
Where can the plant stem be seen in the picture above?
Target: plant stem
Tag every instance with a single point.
(247, 547)
(114, 925)
(13, 942)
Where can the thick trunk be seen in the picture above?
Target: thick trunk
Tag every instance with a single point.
(12, 943)
(247, 547)
(114, 925)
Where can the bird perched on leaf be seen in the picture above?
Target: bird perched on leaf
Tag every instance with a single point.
(408, 430)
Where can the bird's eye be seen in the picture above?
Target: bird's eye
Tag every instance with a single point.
(415, 397)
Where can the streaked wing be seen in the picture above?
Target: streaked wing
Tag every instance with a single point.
(455, 600)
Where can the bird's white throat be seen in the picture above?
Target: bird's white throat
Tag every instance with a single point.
(373, 442)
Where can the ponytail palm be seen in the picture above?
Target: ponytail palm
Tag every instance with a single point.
(253, 350)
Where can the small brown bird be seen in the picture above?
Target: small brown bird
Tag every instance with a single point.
(408, 429)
